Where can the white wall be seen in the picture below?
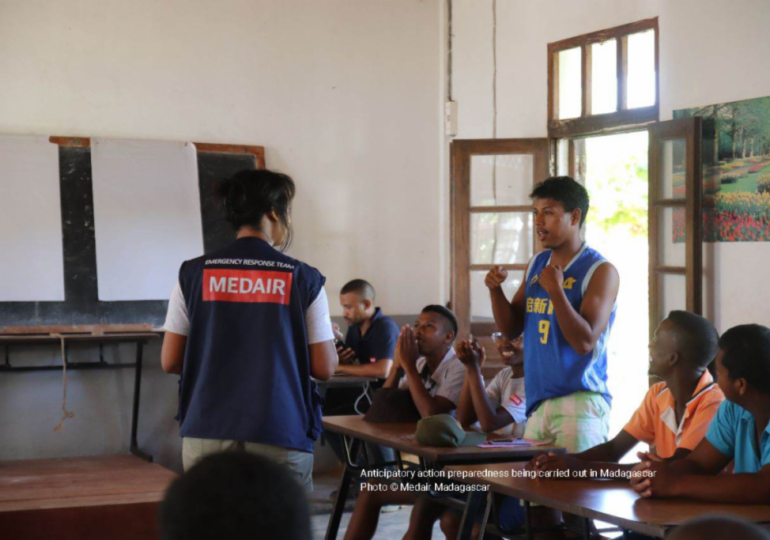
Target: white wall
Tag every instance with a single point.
(344, 95)
(711, 51)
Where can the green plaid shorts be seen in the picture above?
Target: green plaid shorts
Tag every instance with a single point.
(576, 422)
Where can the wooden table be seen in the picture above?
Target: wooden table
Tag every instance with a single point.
(611, 501)
(400, 437)
(102, 335)
(114, 497)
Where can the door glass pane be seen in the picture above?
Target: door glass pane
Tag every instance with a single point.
(673, 163)
(641, 69)
(673, 294)
(481, 305)
(562, 157)
(504, 180)
(570, 89)
(604, 81)
(671, 236)
(501, 238)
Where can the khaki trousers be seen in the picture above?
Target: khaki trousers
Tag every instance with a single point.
(298, 462)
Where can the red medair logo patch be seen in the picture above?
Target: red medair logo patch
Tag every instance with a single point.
(256, 286)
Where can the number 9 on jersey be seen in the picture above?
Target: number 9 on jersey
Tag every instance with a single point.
(544, 326)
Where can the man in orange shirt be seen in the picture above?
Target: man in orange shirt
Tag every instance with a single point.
(675, 414)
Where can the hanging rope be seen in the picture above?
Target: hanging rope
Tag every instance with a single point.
(67, 414)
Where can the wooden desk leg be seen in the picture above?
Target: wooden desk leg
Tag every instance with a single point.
(475, 504)
(134, 446)
(342, 494)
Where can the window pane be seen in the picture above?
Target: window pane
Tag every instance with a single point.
(641, 69)
(501, 180)
(570, 89)
(604, 81)
(562, 157)
(501, 238)
(671, 236)
(673, 154)
(481, 305)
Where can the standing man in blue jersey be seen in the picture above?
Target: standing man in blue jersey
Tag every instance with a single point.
(565, 307)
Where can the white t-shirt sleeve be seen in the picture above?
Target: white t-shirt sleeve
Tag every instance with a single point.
(177, 319)
(514, 400)
(495, 389)
(317, 320)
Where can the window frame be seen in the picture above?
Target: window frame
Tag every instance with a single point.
(623, 118)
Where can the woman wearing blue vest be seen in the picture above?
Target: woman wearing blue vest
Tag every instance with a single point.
(247, 328)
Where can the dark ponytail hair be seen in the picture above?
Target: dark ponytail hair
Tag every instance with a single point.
(250, 194)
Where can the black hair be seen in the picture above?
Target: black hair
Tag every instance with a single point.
(697, 336)
(565, 190)
(235, 495)
(716, 527)
(444, 312)
(250, 194)
(746, 354)
(361, 287)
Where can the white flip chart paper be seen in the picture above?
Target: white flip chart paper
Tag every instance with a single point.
(147, 216)
(31, 256)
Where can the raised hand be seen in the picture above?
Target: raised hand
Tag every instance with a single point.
(406, 348)
(495, 277)
(551, 279)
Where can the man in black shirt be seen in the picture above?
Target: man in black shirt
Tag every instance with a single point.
(367, 351)
(371, 339)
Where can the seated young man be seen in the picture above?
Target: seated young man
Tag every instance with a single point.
(739, 432)
(675, 413)
(499, 407)
(426, 366)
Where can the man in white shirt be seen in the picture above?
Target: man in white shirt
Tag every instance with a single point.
(425, 365)
(501, 406)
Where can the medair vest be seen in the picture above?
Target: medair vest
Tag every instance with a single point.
(246, 373)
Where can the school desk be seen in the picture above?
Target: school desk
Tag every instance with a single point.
(611, 501)
(91, 498)
(400, 437)
(64, 337)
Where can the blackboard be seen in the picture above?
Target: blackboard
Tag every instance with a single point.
(82, 305)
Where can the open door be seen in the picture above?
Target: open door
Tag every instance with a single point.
(675, 218)
(492, 223)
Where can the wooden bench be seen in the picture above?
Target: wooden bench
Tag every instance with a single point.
(85, 498)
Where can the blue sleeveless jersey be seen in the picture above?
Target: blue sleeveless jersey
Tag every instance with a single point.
(246, 374)
(552, 367)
